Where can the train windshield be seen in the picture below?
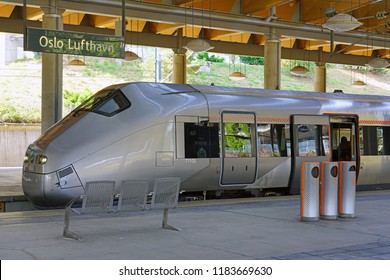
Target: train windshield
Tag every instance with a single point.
(105, 102)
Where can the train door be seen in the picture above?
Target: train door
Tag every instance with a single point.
(344, 138)
(239, 155)
(310, 143)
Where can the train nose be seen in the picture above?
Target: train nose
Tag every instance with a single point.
(33, 185)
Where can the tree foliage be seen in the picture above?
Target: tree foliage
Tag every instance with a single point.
(251, 60)
(206, 57)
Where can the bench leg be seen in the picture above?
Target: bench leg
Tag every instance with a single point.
(67, 233)
(165, 222)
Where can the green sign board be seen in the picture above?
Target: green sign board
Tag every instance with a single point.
(64, 42)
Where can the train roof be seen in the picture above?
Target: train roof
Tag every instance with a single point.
(165, 88)
(289, 94)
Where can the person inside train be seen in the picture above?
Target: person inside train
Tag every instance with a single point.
(344, 149)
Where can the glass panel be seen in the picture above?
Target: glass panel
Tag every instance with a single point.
(361, 141)
(105, 102)
(386, 140)
(112, 104)
(274, 140)
(238, 141)
(265, 140)
(307, 135)
(201, 140)
(325, 141)
(281, 140)
(379, 133)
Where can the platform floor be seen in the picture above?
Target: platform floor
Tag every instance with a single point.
(10, 181)
(246, 229)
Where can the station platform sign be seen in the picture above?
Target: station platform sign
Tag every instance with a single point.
(74, 43)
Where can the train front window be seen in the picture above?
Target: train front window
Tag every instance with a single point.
(106, 102)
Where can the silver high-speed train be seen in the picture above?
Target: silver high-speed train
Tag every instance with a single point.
(213, 138)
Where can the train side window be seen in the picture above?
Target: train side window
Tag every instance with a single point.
(201, 140)
(273, 140)
(383, 136)
(265, 140)
(386, 140)
(238, 140)
(379, 135)
(281, 140)
(112, 104)
(313, 140)
(374, 140)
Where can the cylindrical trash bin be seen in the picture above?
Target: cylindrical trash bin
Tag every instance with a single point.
(310, 185)
(329, 190)
(347, 189)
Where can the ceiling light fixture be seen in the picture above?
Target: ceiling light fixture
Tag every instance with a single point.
(237, 76)
(359, 83)
(299, 71)
(342, 23)
(131, 56)
(378, 63)
(198, 45)
(76, 62)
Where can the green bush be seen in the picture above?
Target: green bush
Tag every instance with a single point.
(251, 60)
(206, 57)
(74, 99)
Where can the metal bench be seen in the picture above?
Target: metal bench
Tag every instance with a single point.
(165, 196)
(99, 198)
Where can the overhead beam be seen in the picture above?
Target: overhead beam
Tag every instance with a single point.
(165, 41)
(6, 10)
(218, 20)
(252, 6)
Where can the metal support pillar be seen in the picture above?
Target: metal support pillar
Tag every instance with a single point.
(272, 62)
(179, 75)
(52, 71)
(320, 73)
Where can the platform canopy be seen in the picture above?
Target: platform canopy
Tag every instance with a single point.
(229, 26)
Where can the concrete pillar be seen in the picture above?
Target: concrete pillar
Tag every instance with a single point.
(320, 77)
(179, 75)
(320, 73)
(272, 62)
(52, 69)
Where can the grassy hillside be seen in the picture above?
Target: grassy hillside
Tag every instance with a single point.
(20, 82)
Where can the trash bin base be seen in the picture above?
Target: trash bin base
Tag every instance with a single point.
(309, 219)
(328, 217)
(347, 216)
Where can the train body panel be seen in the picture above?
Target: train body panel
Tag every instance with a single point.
(213, 138)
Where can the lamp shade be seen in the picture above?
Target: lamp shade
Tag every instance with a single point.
(342, 22)
(237, 76)
(76, 62)
(359, 83)
(378, 62)
(198, 45)
(299, 71)
(131, 56)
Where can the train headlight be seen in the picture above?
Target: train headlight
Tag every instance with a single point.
(41, 159)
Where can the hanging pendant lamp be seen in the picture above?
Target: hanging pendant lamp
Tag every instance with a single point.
(131, 56)
(299, 70)
(378, 63)
(198, 45)
(237, 76)
(342, 23)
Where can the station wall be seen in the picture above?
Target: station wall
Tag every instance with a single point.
(14, 140)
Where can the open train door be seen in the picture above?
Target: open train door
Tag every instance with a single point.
(239, 155)
(344, 131)
(310, 143)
